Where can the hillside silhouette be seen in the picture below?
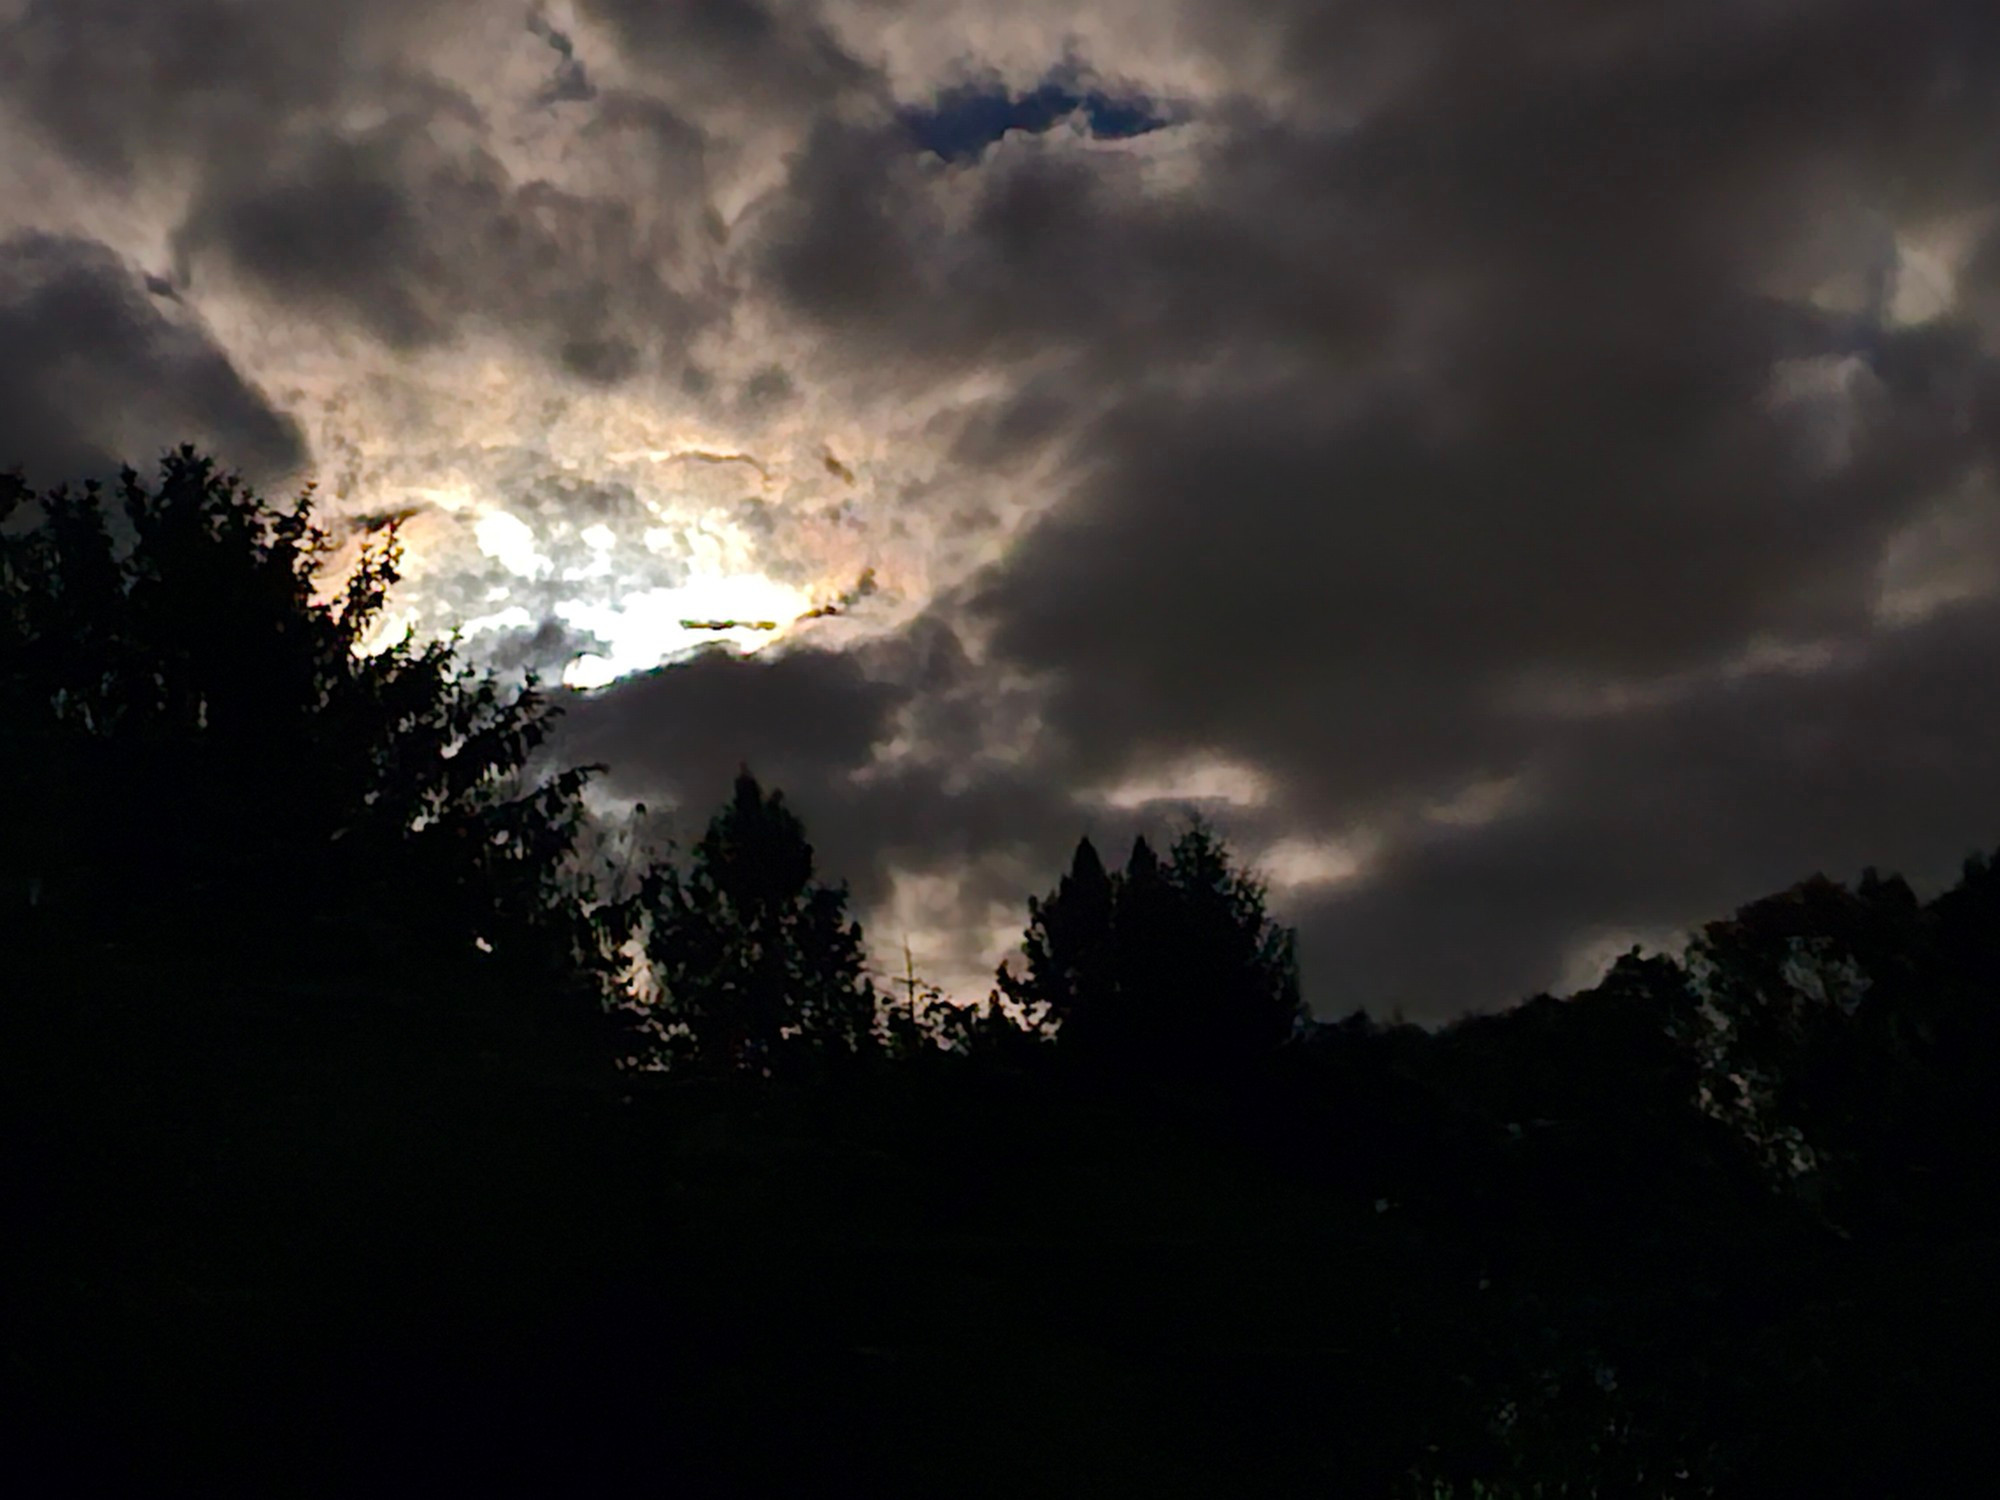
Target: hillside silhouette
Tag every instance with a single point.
(362, 1132)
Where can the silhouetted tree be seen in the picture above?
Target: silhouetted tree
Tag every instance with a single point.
(1968, 917)
(1171, 966)
(1233, 981)
(209, 785)
(1801, 999)
(1960, 1038)
(915, 1021)
(758, 963)
(1067, 950)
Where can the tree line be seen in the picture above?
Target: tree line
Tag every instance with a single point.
(1653, 1221)
(197, 748)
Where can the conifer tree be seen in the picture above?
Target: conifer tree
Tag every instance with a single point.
(759, 965)
(1067, 948)
(1171, 966)
(1225, 974)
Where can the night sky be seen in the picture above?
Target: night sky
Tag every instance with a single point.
(1526, 472)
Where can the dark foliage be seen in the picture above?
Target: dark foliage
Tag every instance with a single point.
(759, 965)
(214, 799)
(1168, 969)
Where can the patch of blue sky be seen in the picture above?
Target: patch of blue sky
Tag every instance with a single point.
(963, 122)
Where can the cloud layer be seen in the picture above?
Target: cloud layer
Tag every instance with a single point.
(1528, 473)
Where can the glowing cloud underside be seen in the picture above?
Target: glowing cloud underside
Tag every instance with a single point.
(731, 466)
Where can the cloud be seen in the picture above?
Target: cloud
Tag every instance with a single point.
(681, 731)
(572, 80)
(127, 89)
(96, 368)
(1406, 415)
(1547, 455)
(898, 755)
(414, 243)
(1645, 824)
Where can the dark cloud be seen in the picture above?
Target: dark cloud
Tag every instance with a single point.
(334, 227)
(95, 372)
(339, 175)
(126, 88)
(777, 55)
(416, 243)
(1061, 254)
(887, 752)
(1403, 417)
(692, 723)
(804, 721)
(571, 83)
(540, 651)
(1354, 595)
(1660, 819)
